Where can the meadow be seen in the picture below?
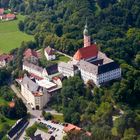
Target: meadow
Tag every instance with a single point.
(10, 36)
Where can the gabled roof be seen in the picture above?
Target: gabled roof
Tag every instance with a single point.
(35, 76)
(49, 50)
(32, 86)
(107, 67)
(28, 53)
(69, 127)
(97, 69)
(34, 67)
(1, 11)
(68, 66)
(86, 52)
(10, 15)
(6, 57)
(52, 69)
(88, 67)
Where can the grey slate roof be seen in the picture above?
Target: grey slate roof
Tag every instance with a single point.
(86, 66)
(32, 66)
(96, 70)
(107, 67)
(104, 57)
(32, 86)
(52, 69)
(69, 66)
(49, 50)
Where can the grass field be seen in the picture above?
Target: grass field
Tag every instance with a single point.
(3, 102)
(59, 118)
(61, 58)
(7, 121)
(10, 36)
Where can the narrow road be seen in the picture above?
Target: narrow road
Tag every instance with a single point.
(35, 114)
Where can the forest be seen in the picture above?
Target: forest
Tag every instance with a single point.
(115, 26)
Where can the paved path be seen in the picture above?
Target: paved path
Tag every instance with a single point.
(35, 114)
(52, 111)
(58, 133)
(31, 122)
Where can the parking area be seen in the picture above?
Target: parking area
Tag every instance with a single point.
(45, 136)
(54, 129)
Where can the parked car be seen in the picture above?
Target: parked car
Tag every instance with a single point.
(50, 132)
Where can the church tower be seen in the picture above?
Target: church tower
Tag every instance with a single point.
(87, 39)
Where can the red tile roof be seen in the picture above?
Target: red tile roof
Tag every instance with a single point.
(10, 16)
(37, 94)
(86, 52)
(6, 57)
(70, 127)
(28, 53)
(1, 11)
(35, 76)
(55, 78)
(88, 133)
(49, 51)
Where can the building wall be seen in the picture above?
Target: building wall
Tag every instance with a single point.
(28, 96)
(87, 41)
(30, 70)
(45, 99)
(66, 71)
(38, 102)
(86, 76)
(102, 78)
(10, 18)
(44, 73)
(105, 77)
(2, 63)
(50, 57)
(35, 101)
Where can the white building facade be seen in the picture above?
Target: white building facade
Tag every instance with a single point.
(34, 69)
(49, 53)
(99, 74)
(35, 97)
(67, 69)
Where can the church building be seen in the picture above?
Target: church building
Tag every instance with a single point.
(93, 64)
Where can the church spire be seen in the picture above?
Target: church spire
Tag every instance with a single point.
(87, 40)
(86, 29)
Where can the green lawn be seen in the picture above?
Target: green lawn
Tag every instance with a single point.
(61, 58)
(59, 118)
(41, 127)
(3, 102)
(7, 121)
(10, 36)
